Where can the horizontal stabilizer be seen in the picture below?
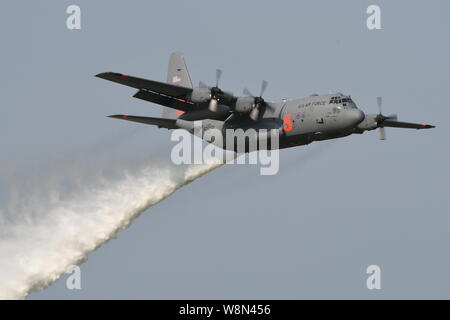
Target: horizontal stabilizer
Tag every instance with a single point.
(160, 122)
(408, 125)
(139, 83)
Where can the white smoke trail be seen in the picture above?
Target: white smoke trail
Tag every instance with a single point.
(41, 239)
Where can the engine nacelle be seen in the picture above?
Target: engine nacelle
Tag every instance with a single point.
(369, 122)
(244, 104)
(200, 95)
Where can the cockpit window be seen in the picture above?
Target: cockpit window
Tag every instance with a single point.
(334, 100)
(350, 103)
(347, 102)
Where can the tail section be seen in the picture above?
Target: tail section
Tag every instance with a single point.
(177, 74)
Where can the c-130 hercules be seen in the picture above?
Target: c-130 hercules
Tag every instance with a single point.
(299, 121)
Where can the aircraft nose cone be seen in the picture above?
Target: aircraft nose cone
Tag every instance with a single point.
(357, 115)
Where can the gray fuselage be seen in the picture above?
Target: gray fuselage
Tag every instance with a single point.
(300, 121)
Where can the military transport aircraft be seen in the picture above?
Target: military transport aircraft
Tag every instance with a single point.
(299, 121)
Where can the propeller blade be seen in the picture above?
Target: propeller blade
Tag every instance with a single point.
(247, 92)
(382, 133)
(254, 114)
(213, 105)
(270, 106)
(201, 84)
(263, 87)
(392, 116)
(218, 75)
(379, 102)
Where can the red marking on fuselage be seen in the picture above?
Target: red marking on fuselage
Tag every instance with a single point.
(287, 122)
(179, 112)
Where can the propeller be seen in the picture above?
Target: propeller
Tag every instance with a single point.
(218, 76)
(258, 102)
(380, 118)
(247, 92)
(215, 92)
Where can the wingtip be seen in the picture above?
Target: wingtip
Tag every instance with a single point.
(118, 116)
(111, 75)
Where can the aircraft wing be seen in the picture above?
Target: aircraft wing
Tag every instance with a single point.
(139, 83)
(408, 125)
(160, 122)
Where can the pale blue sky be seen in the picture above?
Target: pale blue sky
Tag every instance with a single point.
(308, 232)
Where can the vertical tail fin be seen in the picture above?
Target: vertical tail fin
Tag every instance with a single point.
(177, 74)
